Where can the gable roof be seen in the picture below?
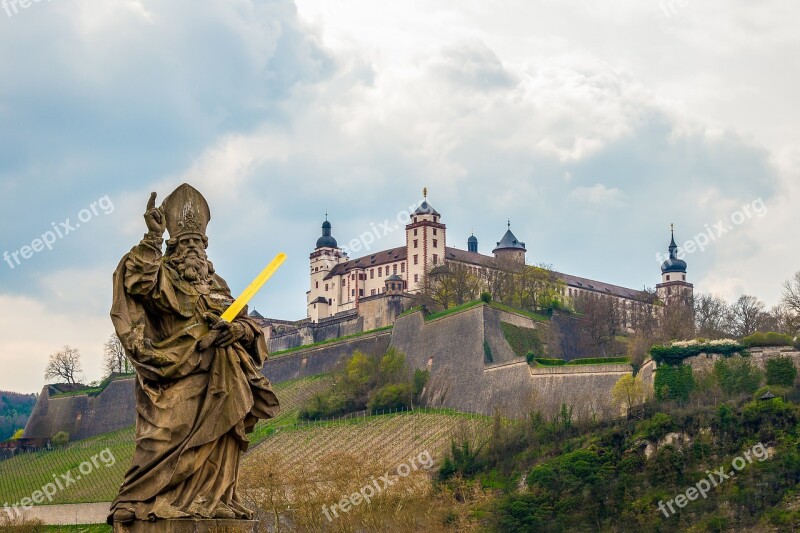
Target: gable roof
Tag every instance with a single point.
(577, 282)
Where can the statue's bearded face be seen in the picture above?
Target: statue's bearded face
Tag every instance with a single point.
(189, 258)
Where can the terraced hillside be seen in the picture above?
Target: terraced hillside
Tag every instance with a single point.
(393, 438)
(295, 479)
(21, 476)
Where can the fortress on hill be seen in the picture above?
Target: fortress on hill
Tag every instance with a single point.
(351, 304)
(375, 288)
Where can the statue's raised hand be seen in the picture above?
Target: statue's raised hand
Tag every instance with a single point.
(154, 216)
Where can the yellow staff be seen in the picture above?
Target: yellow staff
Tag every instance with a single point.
(238, 304)
(253, 288)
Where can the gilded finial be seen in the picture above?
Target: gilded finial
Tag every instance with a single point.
(425, 192)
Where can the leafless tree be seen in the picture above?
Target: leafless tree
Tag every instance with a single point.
(746, 315)
(600, 321)
(64, 364)
(791, 301)
(779, 319)
(115, 358)
(677, 321)
(712, 317)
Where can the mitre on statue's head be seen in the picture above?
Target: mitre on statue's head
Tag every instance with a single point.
(186, 211)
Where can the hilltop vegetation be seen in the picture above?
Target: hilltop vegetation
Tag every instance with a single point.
(14, 412)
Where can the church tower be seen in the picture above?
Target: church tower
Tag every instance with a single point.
(425, 243)
(509, 248)
(323, 298)
(673, 287)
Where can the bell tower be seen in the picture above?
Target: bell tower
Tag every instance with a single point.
(425, 243)
(673, 287)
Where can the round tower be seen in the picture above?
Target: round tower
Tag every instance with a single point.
(509, 248)
(322, 298)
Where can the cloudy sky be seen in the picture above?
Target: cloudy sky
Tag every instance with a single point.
(590, 125)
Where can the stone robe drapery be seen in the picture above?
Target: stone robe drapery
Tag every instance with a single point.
(194, 408)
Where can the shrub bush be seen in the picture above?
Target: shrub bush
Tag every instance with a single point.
(59, 439)
(658, 426)
(673, 382)
(357, 384)
(486, 297)
(737, 376)
(324, 405)
(769, 338)
(392, 396)
(781, 371)
(420, 380)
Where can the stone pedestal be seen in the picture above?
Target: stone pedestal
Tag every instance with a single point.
(188, 526)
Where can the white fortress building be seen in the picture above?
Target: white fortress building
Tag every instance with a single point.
(340, 285)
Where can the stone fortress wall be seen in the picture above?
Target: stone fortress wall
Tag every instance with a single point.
(81, 415)
(450, 347)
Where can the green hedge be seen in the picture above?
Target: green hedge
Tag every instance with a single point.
(544, 361)
(674, 355)
(584, 361)
(600, 361)
(673, 382)
(769, 338)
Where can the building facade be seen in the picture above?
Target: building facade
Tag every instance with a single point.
(340, 284)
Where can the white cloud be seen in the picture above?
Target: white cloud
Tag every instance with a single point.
(30, 332)
(544, 112)
(597, 195)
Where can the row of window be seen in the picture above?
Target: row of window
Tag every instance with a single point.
(435, 243)
(435, 259)
(415, 232)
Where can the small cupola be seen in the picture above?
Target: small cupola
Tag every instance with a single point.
(326, 240)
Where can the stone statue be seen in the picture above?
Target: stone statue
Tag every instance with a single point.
(198, 389)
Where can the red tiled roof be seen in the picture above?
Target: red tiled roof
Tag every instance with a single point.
(391, 255)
